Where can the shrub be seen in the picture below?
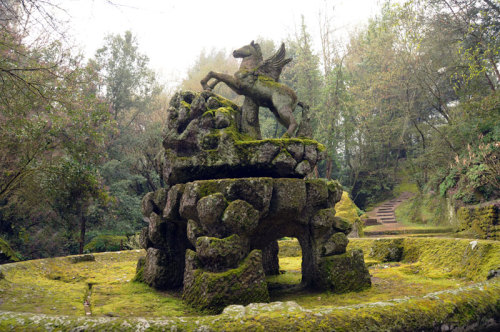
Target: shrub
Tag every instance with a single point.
(102, 243)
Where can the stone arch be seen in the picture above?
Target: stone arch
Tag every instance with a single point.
(230, 223)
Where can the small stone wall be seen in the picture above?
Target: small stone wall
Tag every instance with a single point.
(484, 221)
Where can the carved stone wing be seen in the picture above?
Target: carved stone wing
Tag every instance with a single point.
(272, 66)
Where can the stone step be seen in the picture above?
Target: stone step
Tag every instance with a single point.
(389, 215)
(385, 209)
(371, 222)
(389, 221)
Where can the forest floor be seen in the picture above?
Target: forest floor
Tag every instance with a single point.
(388, 225)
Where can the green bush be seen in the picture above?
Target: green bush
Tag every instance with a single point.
(7, 255)
(103, 243)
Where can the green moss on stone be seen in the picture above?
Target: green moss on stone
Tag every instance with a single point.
(207, 187)
(344, 273)
(185, 104)
(483, 221)
(212, 291)
(438, 257)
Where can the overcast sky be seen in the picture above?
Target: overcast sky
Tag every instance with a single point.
(174, 32)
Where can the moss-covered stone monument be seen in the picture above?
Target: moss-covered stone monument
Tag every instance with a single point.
(229, 198)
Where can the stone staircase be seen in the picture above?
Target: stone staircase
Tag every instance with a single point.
(384, 214)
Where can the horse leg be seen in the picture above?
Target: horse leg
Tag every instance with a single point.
(205, 80)
(278, 117)
(230, 81)
(286, 114)
(212, 85)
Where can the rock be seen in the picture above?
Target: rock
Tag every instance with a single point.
(296, 150)
(193, 231)
(171, 210)
(254, 309)
(270, 260)
(265, 153)
(344, 273)
(240, 217)
(289, 198)
(317, 193)
(160, 199)
(311, 154)
(342, 225)
(336, 244)
(202, 142)
(213, 103)
(157, 230)
(334, 192)
(81, 258)
(191, 263)
(189, 199)
(222, 118)
(322, 223)
(283, 162)
(163, 269)
(493, 274)
(148, 205)
(198, 106)
(213, 291)
(220, 254)
(210, 209)
(303, 168)
(387, 250)
(256, 191)
(139, 269)
(144, 240)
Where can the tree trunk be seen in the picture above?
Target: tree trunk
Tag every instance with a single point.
(82, 231)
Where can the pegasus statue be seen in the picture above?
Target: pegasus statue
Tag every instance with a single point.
(258, 81)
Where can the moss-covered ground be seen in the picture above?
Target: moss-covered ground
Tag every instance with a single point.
(57, 286)
(427, 265)
(434, 282)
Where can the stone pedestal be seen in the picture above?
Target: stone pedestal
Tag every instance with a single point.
(214, 232)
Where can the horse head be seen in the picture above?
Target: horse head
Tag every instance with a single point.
(251, 50)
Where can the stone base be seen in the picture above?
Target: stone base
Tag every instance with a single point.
(213, 291)
(270, 259)
(203, 141)
(161, 269)
(344, 273)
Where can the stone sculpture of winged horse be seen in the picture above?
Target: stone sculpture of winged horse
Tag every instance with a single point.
(259, 80)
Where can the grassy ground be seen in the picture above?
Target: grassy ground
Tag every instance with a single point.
(389, 281)
(56, 286)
